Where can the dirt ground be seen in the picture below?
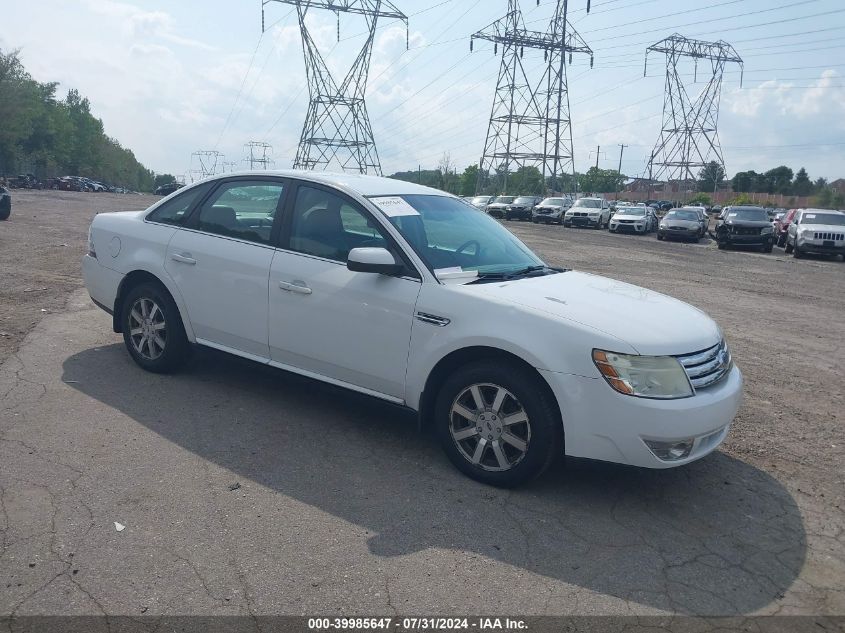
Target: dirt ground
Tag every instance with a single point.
(757, 527)
(41, 248)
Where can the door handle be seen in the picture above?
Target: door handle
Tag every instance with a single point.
(183, 259)
(298, 287)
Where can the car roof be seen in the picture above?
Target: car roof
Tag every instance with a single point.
(837, 212)
(359, 183)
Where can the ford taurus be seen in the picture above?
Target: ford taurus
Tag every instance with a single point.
(410, 295)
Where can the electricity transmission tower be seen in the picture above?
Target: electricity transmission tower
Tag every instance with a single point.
(337, 127)
(259, 155)
(530, 124)
(205, 163)
(689, 139)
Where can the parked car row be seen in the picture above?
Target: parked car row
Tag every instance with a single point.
(63, 183)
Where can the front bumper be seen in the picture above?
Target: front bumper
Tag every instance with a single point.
(746, 240)
(583, 221)
(686, 234)
(630, 228)
(547, 217)
(833, 247)
(600, 423)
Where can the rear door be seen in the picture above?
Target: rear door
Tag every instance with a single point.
(221, 264)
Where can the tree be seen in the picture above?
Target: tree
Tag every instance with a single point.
(469, 180)
(802, 186)
(742, 199)
(601, 180)
(711, 176)
(53, 137)
(820, 184)
(163, 179)
(744, 181)
(701, 199)
(824, 197)
(779, 180)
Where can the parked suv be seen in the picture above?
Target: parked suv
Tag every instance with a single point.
(499, 206)
(521, 208)
(594, 212)
(745, 226)
(409, 295)
(816, 231)
(551, 210)
(481, 202)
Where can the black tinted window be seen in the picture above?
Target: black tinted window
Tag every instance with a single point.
(243, 209)
(326, 225)
(175, 210)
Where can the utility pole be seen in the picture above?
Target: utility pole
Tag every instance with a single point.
(258, 155)
(530, 125)
(598, 153)
(619, 171)
(689, 139)
(650, 169)
(337, 128)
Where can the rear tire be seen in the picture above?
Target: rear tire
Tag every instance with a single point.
(152, 329)
(502, 453)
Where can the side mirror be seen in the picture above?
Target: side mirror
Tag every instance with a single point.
(373, 260)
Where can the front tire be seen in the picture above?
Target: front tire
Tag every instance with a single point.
(496, 424)
(152, 329)
(797, 254)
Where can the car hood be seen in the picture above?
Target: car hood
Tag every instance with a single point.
(498, 205)
(674, 222)
(650, 322)
(754, 224)
(823, 228)
(620, 216)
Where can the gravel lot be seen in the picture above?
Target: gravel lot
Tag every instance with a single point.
(248, 491)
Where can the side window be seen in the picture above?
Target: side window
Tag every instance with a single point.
(325, 225)
(175, 211)
(243, 209)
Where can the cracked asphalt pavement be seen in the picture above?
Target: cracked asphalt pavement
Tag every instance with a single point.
(248, 491)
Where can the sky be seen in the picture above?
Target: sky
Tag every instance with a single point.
(170, 78)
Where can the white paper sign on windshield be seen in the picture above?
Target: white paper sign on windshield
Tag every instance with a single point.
(394, 206)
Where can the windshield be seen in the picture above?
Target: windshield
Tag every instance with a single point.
(748, 215)
(630, 211)
(481, 200)
(682, 215)
(552, 202)
(524, 200)
(504, 199)
(447, 234)
(823, 218)
(586, 202)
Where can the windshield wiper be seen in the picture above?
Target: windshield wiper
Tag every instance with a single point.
(528, 271)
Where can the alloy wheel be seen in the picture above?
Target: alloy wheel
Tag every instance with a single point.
(490, 427)
(147, 328)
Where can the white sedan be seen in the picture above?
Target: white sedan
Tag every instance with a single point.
(408, 294)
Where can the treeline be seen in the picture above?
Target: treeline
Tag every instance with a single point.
(525, 180)
(47, 136)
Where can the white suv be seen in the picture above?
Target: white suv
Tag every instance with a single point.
(594, 212)
(410, 295)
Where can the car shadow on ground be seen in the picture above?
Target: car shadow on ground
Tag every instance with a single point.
(716, 537)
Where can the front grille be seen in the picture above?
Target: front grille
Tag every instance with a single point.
(626, 221)
(580, 214)
(678, 228)
(708, 367)
(743, 231)
(836, 237)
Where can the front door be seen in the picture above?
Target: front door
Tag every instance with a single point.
(221, 264)
(350, 327)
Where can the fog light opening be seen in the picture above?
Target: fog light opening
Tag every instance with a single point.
(671, 451)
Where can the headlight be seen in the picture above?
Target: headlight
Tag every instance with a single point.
(660, 377)
(767, 230)
(663, 225)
